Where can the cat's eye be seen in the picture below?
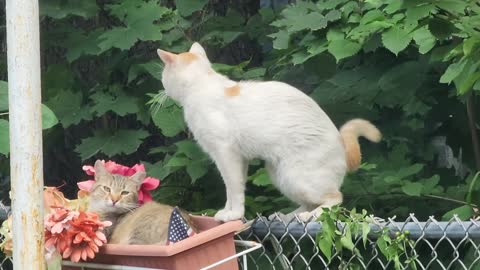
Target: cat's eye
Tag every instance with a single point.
(106, 189)
(125, 192)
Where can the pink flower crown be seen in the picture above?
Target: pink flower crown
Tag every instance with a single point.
(148, 184)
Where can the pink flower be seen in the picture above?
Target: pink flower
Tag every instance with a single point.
(57, 221)
(148, 184)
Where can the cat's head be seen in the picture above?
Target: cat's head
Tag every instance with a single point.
(113, 193)
(183, 70)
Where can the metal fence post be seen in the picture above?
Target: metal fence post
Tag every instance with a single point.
(26, 163)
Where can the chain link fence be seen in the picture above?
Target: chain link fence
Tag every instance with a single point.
(435, 245)
(454, 245)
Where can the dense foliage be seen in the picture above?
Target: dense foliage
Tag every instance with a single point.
(410, 66)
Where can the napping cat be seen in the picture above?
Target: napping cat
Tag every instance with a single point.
(115, 198)
(306, 156)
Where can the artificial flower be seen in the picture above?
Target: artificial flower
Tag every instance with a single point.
(74, 234)
(149, 183)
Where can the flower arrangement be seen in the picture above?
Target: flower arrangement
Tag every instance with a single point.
(70, 231)
(148, 184)
(74, 234)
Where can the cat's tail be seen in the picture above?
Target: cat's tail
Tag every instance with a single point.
(350, 132)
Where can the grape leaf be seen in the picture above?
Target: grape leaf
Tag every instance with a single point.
(68, 107)
(396, 39)
(48, 118)
(59, 9)
(197, 169)
(122, 141)
(412, 188)
(114, 100)
(187, 7)
(343, 48)
(281, 39)
(169, 120)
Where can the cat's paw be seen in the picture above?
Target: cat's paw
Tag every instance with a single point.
(308, 216)
(228, 215)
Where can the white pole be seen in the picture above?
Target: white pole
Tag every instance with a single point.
(26, 163)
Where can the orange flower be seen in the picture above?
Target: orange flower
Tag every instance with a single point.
(74, 234)
(84, 245)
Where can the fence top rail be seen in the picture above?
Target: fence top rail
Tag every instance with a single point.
(454, 229)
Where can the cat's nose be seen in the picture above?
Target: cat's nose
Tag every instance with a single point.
(114, 199)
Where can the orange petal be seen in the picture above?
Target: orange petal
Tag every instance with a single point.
(84, 254)
(75, 257)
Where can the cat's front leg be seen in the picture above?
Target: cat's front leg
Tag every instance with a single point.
(232, 168)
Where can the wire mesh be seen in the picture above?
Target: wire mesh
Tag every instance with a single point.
(452, 244)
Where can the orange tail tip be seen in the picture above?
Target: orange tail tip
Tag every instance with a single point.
(350, 132)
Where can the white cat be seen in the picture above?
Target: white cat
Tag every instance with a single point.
(306, 156)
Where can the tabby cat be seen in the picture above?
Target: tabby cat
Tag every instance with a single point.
(115, 198)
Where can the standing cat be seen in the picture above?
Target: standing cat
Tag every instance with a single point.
(306, 156)
(115, 198)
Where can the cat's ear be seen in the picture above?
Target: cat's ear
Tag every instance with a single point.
(100, 170)
(138, 177)
(167, 57)
(198, 49)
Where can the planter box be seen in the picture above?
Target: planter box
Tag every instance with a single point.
(214, 243)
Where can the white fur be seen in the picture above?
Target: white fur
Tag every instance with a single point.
(270, 120)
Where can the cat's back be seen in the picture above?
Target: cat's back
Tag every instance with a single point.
(147, 224)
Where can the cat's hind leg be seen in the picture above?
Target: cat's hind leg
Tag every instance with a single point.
(328, 200)
(232, 167)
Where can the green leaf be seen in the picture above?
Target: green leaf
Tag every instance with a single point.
(325, 246)
(260, 178)
(409, 171)
(169, 120)
(125, 37)
(463, 212)
(254, 73)
(396, 39)
(365, 232)
(456, 6)
(412, 188)
(69, 108)
(122, 141)
(281, 39)
(333, 15)
(335, 34)
(419, 12)
(453, 71)
(346, 239)
(4, 137)
(178, 161)
(48, 118)
(191, 150)
(312, 21)
(465, 81)
(114, 100)
(196, 170)
(79, 44)
(187, 7)
(424, 39)
(154, 68)
(343, 48)
(3, 96)
(59, 9)
(440, 28)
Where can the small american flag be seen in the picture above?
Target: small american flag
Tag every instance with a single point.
(178, 228)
